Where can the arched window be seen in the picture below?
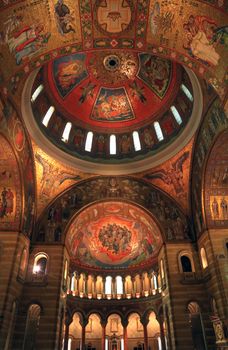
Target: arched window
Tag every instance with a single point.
(36, 93)
(203, 258)
(40, 264)
(136, 140)
(112, 144)
(119, 285)
(158, 131)
(32, 326)
(187, 92)
(48, 115)
(65, 273)
(185, 261)
(66, 132)
(176, 115)
(108, 285)
(186, 264)
(23, 263)
(89, 141)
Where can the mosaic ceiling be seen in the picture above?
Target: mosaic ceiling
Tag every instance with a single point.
(112, 235)
(112, 89)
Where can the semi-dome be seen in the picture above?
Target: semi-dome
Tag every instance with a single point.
(113, 235)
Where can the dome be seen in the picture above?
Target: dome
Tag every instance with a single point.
(108, 110)
(113, 235)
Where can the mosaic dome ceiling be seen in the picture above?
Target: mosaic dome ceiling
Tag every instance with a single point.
(113, 235)
(112, 106)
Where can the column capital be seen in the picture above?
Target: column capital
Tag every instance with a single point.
(124, 323)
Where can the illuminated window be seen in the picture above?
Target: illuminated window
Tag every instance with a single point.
(176, 114)
(48, 115)
(187, 92)
(158, 131)
(89, 141)
(108, 285)
(203, 258)
(162, 269)
(155, 282)
(136, 141)
(36, 93)
(66, 132)
(23, 263)
(112, 144)
(119, 285)
(40, 264)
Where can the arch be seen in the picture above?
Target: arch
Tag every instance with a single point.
(197, 328)
(75, 331)
(135, 331)
(40, 265)
(185, 261)
(203, 257)
(93, 331)
(153, 330)
(32, 327)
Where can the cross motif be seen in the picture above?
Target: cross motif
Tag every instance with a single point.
(114, 15)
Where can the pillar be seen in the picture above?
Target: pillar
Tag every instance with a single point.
(66, 335)
(114, 287)
(125, 324)
(103, 287)
(162, 333)
(124, 281)
(103, 325)
(145, 333)
(83, 324)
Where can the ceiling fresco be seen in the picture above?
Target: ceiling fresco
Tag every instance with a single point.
(53, 177)
(35, 32)
(112, 89)
(113, 235)
(173, 175)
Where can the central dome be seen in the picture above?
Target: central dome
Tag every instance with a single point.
(109, 90)
(108, 111)
(113, 235)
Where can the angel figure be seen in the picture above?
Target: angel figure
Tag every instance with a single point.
(172, 176)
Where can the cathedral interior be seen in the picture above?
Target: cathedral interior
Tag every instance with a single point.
(113, 175)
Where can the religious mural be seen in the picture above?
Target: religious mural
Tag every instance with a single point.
(216, 183)
(156, 72)
(112, 105)
(52, 177)
(113, 234)
(214, 199)
(10, 192)
(113, 16)
(12, 127)
(173, 176)
(183, 33)
(54, 220)
(69, 72)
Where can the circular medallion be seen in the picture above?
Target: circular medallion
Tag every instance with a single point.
(111, 63)
(113, 16)
(113, 69)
